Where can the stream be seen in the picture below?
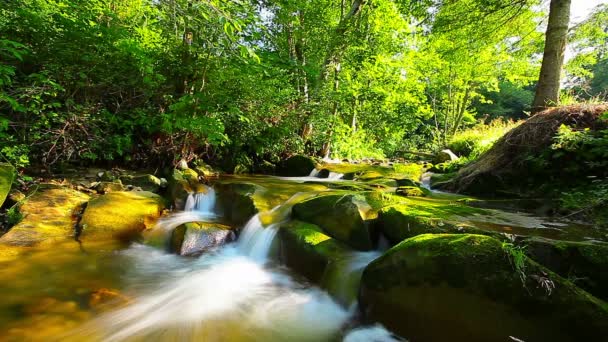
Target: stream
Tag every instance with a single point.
(240, 291)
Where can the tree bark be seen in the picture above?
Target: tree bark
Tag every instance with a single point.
(547, 90)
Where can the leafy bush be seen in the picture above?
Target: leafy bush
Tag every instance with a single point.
(474, 141)
(350, 144)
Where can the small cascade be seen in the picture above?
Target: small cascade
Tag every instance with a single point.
(425, 180)
(335, 175)
(203, 202)
(259, 232)
(199, 207)
(314, 173)
(343, 276)
(255, 240)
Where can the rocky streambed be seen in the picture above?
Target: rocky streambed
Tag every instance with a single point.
(351, 252)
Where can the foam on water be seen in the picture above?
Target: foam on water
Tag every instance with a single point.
(232, 294)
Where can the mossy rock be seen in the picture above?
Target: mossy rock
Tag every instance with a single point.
(296, 166)
(401, 221)
(49, 215)
(145, 182)
(105, 187)
(236, 201)
(265, 168)
(585, 263)
(306, 249)
(120, 215)
(206, 170)
(437, 287)
(412, 191)
(383, 182)
(323, 173)
(339, 216)
(191, 177)
(7, 175)
(178, 189)
(439, 180)
(195, 238)
(406, 182)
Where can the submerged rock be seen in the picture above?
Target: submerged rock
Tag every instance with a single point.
(339, 216)
(7, 174)
(584, 263)
(120, 215)
(296, 166)
(49, 216)
(438, 287)
(195, 238)
(307, 250)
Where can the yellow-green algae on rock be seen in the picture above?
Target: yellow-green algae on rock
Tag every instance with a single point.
(306, 249)
(7, 174)
(415, 288)
(49, 216)
(121, 215)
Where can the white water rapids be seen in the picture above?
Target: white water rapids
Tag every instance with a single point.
(234, 294)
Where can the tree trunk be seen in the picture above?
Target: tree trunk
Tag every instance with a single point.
(547, 90)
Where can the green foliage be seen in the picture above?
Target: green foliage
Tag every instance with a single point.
(587, 70)
(475, 140)
(517, 257)
(353, 144)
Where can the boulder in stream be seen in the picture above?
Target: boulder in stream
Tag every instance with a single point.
(296, 166)
(120, 215)
(439, 287)
(584, 263)
(195, 238)
(49, 215)
(401, 221)
(307, 250)
(340, 216)
(236, 201)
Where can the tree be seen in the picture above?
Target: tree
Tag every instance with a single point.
(547, 90)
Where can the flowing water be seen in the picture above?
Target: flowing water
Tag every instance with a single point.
(234, 294)
(239, 292)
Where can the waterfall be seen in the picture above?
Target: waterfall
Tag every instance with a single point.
(199, 207)
(255, 240)
(314, 173)
(425, 180)
(344, 275)
(259, 232)
(203, 202)
(335, 175)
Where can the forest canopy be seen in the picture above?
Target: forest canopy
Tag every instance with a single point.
(245, 81)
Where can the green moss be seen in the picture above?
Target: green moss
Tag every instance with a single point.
(368, 172)
(308, 250)
(7, 174)
(441, 269)
(120, 215)
(582, 262)
(340, 216)
(48, 217)
(412, 191)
